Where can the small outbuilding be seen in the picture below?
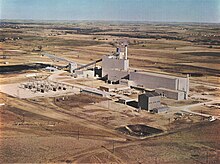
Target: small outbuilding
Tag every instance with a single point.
(160, 109)
(51, 69)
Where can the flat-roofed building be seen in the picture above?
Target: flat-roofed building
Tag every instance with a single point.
(155, 80)
(112, 88)
(149, 101)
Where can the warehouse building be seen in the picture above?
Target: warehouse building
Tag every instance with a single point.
(149, 101)
(113, 88)
(83, 74)
(169, 85)
(160, 109)
(94, 91)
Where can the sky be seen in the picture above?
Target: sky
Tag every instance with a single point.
(113, 10)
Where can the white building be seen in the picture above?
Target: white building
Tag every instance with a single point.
(72, 66)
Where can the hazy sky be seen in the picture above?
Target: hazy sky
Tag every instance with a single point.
(125, 10)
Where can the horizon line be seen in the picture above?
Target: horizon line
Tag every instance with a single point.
(100, 20)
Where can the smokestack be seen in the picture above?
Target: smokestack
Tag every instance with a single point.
(126, 52)
(118, 50)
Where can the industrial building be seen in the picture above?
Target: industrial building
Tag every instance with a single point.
(168, 86)
(113, 88)
(160, 109)
(116, 66)
(116, 69)
(72, 67)
(83, 74)
(50, 69)
(94, 91)
(149, 101)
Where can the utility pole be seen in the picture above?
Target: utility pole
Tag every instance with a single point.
(78, 134)
(155, 160)
(17, 93)
(207, 157)
(113, 147)
(169, 122)
(23, 117)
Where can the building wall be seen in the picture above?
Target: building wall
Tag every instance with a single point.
(183, 85)
(153, 81)
(88, 73)
(161, 109)
(143, 102)
(126, 82)
(84, 73)
(154, 102)
(115, 75)
(176, 95)
(109, 63)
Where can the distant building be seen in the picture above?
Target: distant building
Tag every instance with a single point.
(72, 67)
(149, 101)
(51, 69)
(83, 74)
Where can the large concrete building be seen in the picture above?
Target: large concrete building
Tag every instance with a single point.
(149, 101)
(116, 66)
(168, 86)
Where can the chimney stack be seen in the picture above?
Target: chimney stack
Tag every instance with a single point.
(126, 52)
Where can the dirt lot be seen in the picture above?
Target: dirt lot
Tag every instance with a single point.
(39, 130)
(78, 100)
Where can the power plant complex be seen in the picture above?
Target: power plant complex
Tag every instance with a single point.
(116, 68)
(118, 75)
